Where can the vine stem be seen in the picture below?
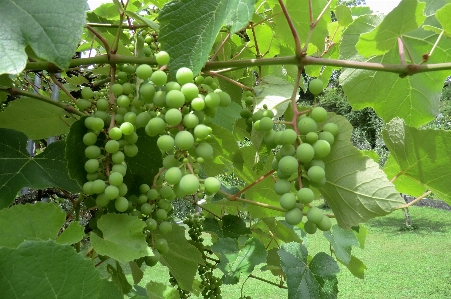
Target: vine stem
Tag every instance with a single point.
(194, 201)
(313, 24)
(268, 281)
(297, 41)
(61, 86)
(426, 57)
(116, 25)
(68, 108)
(220, 47)
(214, 74)
(102, 39)
(236, 195)
(401, 51)
(414, 201)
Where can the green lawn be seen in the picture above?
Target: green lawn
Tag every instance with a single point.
(400, 263)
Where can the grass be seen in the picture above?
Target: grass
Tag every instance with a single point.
(400, 263)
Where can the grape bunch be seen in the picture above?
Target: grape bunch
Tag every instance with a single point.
(299, 160)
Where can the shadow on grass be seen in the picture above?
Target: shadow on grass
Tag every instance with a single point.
(421, 225)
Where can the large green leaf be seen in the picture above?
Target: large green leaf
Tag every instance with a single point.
(423, 156)
(237, 259)
(37, 119)
(232, 226)
(51, 29)
(315, 279)
(72, 234)
(156, 290)
(40, 221)
(407, 16)
(272, 232)
(122, 239)
(240, 12)
(182, 259)
(442, 16)
(188, 31)
(342, 242)
(355, 266)
(45, 269)
(356, 189)
(275, 93)
(19, 170)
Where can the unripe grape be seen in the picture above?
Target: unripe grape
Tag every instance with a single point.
(266, 124)
(175, 99)
(288, 165)
(127, 128)
(151, 224)
(87, 93)
(305, 152)
(294, 216)
(173, 175)
(127, 88)
(315, 86)
(325, 224)
(115, 179)
(102, 104)
(123, 189)
(319, 114)
(162, 57)
(288, 201)
(146, 208)
(332, 128)
(212, 185)
(98, 186)
(316, 162)
(166, 192)
(322, 148)
(144, 71)
(102, 200)
(165, 227)
(190, 91)
(142, 119)
(92, 165)
(257, 115)
(170, 161)
(87, 188)
(305, 195)
(212, 100)
(311, 137)
(159, 78)
(90, 138)
(123, 101)
(307, 125)
(288, 136)
(112, 146)
(111, 192)
(184, 75)
(130, 150)
(201, 131)
(121, 204)
(225, 98)
(165, 143)
(204, 150)
(282, 186)
(184, 140)
(161, 214)
(173, 117)
(190, 120)
(147, 92)
(156, 126)
(97, 124)
(152, 194)
(316, 174)
(92, 152)
(315, 215)
(189, 184)
(117, 89)
(118, 157)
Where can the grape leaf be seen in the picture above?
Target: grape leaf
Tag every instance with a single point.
(232, 227)
(119, 278)
(275, 93)
(237, 259)
(273, 262)
(226, 116)
(137, 273)
(355, 266)
(269, 230)
(188, 29)
(182, 259)
(72, 234)
(424, 156)
(37, 119)
(40, 221)
(356, 189)
(45, 269)
(342, 242)
(405, 17)
(156, 290)
(300, 15)
(122, 238)
(51, 29)
(316, 279)
(344, 15)
(442, 16)
(240, 12)
(20, 170)
(108, 290)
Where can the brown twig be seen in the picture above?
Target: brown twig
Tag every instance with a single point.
(415, 200)
(221, 46)
(297, 41)
(214, 74)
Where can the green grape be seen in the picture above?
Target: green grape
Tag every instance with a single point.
(92, 176)
(127, 128)
(190, 91)
(172, 86)
(122, 76)
(208, 80)
(331, 128)
(92, 165)
(288, 201)
(146, 208)
(212, 185)
(161, 214)
(204, 150)
(127, 88)
(151, 224)
(189, 184)
(310, 227)
(119, 119)
(152, 194)
(94, 123)
(184, 75)
(288, 136)
(144, 71)
(317, 162)
(143, 188)
(102, 104)
(305, 152)
(319, 114)
(89, 138)
(184, 140)
(123, 101)
(162, 57)
(199, 80)
(257, 115)
(152, 260)
(322, 148)
(102, 200)
(112, 146)
(164, 204)
(165, 143)
(266, 124)
(249, 100)
(294, 216)
(175, 99)
(268, 113)
(130, 150)
(83, 104)
(288, 165)
(156, 126)
(87, 93)
(130, 117)
(165, 227)
(159, 78)
(316, 174)
(119, 168)
(315, 215)
(142, 199)
(162, 246)
(190, 121)
(87, 188)
(198, 104)
(311, 137)
(123, 189)
(129, 69)
(115, 179)
(121, 204)
(315, 86)
(118, 157)
(325, 224)
(282, 186)
(98, 186)
(111, 192)
(225, 98)
(92, 152)
(147, 92)
(89, 121)
(117, 89)
(132, 138)
(305, 195)
(327, 136)
(103, 115)
(245, 113)
(307, 125)
(166, 192)
(212, 100)
(170, 161)
(210, 112)
(201, 131)
(173, 117)
(142, 119)
(173, 175)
